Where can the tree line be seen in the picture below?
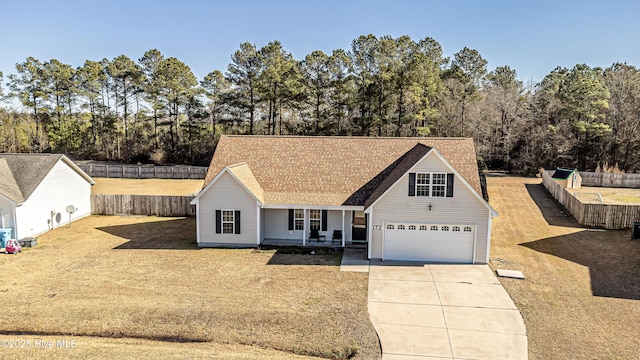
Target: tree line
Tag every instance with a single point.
(155, 109)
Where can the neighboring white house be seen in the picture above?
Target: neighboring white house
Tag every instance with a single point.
(35, 188)
(405, 198)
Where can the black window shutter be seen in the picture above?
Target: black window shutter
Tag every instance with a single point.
(324, 220)
(290, 219)
(412, 184)
(449, 185)
(236, 219)
(218, 221)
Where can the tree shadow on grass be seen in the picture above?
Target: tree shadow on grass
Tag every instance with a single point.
(551, 209)
(612, 257)
(292, 255)
(176, 234)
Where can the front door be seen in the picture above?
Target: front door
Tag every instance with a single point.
(359, 226)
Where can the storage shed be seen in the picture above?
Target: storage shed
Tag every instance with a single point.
(568, 178)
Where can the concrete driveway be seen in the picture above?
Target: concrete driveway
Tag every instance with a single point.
(426, 311)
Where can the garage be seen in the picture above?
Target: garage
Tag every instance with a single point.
(445, 243)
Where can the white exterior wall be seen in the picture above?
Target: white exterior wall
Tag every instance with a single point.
(227, 194)
(61, 187)
(463, 208)
(6, 213)
(276, 222)
(276, 225)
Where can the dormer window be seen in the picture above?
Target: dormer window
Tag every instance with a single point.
(431, 184)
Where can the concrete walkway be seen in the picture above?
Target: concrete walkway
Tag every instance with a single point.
(443, 312)
(355, 260)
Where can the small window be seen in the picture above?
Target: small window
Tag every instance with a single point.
(439, 186)
(227, 221)
(314, 219)
(400, 227)
(455, 228)
(434, 228)
(412, 227)
(445, 228)
(467, 228)
(423, 227)
(422, 184)
(298, 218)
(390, 227)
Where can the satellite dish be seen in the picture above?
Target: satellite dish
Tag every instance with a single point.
(58, 218)
(70, 209)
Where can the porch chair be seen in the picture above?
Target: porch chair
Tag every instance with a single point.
(316, 235)
(337, 235)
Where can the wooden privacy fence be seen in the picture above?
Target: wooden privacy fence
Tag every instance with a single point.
(596, 215)
(144, 171)
(610, 180)
(102, 204)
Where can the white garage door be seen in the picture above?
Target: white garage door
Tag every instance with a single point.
(429, 242)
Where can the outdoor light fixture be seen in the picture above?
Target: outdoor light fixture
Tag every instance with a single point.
(429, 207)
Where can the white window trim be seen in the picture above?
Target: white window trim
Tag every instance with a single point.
(431, 185)
(319, 218)
(232, 222)
(298, 218)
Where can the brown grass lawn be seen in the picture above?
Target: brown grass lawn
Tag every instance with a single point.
(146, 186)
(581, 296)
(609, 195)
(138, 287)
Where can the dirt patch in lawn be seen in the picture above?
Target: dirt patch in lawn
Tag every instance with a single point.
(104, 279)
(614, 196)
(112, 186)
(581, 296)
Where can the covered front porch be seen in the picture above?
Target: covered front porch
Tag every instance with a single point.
(312, 226)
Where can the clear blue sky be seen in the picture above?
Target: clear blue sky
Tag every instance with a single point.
(533, 37)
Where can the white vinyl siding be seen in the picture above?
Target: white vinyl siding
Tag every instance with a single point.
(227, 194)
(61, 187)
(464, 208)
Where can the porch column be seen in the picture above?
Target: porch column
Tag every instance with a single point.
(304, 227)
(258, 232)
(369, 233)
(343, 233)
